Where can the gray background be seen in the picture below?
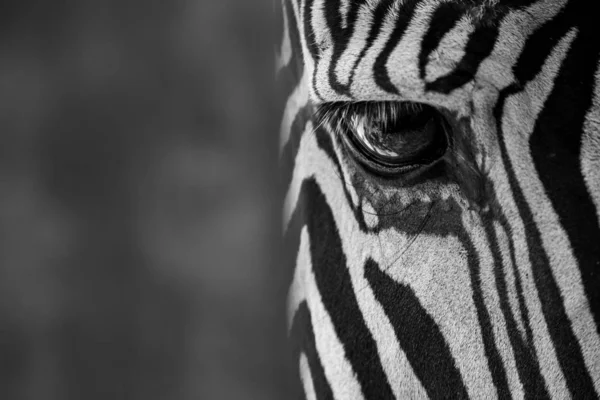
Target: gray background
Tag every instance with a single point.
(138, 209)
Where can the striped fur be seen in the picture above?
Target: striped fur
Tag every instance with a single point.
(401, 288)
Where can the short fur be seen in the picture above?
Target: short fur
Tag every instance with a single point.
(478, 275)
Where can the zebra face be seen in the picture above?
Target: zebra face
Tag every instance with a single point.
(442, 167)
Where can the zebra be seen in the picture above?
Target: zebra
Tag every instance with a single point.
(440, 163)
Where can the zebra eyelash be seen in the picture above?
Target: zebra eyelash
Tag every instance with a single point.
(337, 114)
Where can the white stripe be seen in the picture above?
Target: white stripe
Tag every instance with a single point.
(510, 278)
(285, 54)
(323, 37)
(358, 40)
(451, 49)
(309, 63)
(548, 362)
(556, 243)
(306, 377)
(514, 31)
(403, 65)
(517, 128)
(338, 371)
(291, 198)
(492, 303)
(590, 167)
(590, 148)
(296, 294)
(437, 270)
(493, 71)
(344, 9)
(364, 86)
(482, 124)
(295, 102)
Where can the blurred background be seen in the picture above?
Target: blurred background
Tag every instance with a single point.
(138, 205)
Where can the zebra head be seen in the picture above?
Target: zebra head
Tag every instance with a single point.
(441, 163)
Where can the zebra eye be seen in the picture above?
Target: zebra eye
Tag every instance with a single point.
(392, 138)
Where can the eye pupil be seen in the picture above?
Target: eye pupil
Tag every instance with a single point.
(401, 139)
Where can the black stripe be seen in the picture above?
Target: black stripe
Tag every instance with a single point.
(291, 238)
(504, 5)
(535, 52)
(494, 359)
(335, 286)
(539, 46)
(567, 347)
(309, 34)
(525, 357)
(444, 19)
(518, 284)
(333, 19)
(309, 37)
(325, 143)
(448, 223)
(289, 77)
(380, 72)
(419, 336)
(556, 148)
(341, 37)
(479, 46)
(290, 149)
(303, 341)
(297, 61)
(378, 18)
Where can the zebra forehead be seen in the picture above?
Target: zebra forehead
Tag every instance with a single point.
(416, 50)
(478, 8)
(335, 21)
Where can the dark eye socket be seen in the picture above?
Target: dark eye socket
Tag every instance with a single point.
(390, 138)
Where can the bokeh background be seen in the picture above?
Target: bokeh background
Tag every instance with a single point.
(138, 206)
